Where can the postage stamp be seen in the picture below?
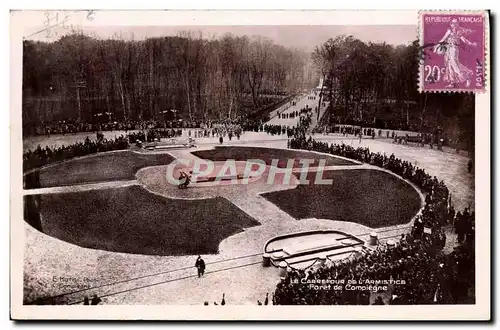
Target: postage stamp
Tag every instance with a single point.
(228, 170)
(453, 46)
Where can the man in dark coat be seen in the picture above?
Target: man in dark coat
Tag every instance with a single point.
(470, 165)
(200, 266)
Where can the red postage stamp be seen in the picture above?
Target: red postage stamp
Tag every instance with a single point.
(453, 46)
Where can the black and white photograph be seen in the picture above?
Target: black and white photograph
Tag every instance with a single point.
(199, 160)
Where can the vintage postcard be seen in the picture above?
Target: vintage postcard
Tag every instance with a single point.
(231, 165)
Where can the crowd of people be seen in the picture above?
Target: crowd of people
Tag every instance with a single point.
(276, 129)
(382, 124)
(147, 132)
(94, 301)
(267, 301)
(422, 139)
(153, 134)
(438, 210)
(305, 119)
(431, 276)
(291, 115)
(464, 225)
(73, 126)
(47, 155)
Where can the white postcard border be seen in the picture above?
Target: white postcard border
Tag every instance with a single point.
(21, 22)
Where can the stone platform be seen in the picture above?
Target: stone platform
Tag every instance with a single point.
(302, 249)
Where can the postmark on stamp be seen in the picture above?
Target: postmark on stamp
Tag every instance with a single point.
(453, 48)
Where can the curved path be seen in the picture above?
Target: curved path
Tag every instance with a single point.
(53, 267)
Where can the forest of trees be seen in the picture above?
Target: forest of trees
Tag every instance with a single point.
(372, 82)
(78, 77)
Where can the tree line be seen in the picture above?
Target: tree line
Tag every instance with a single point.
(377, 82)
(85, 78)
(80, 77)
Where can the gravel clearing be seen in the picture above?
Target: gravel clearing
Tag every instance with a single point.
(54, 267)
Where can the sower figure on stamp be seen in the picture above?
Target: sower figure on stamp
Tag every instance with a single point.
(200, 266)
(455, 72)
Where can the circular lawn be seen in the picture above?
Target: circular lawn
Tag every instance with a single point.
(106, 166)
(132, 220)
(369, 197)
(269, 154)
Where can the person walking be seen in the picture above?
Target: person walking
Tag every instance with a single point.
(470, 165)
(200, 266)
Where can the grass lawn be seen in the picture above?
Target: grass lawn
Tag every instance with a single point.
(131, 220)
(267, 155)
(368, 197)
(100, 167)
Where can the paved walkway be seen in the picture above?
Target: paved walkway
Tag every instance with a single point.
(82, 187)
(260, 208)
(300, 104)
(54, 267)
